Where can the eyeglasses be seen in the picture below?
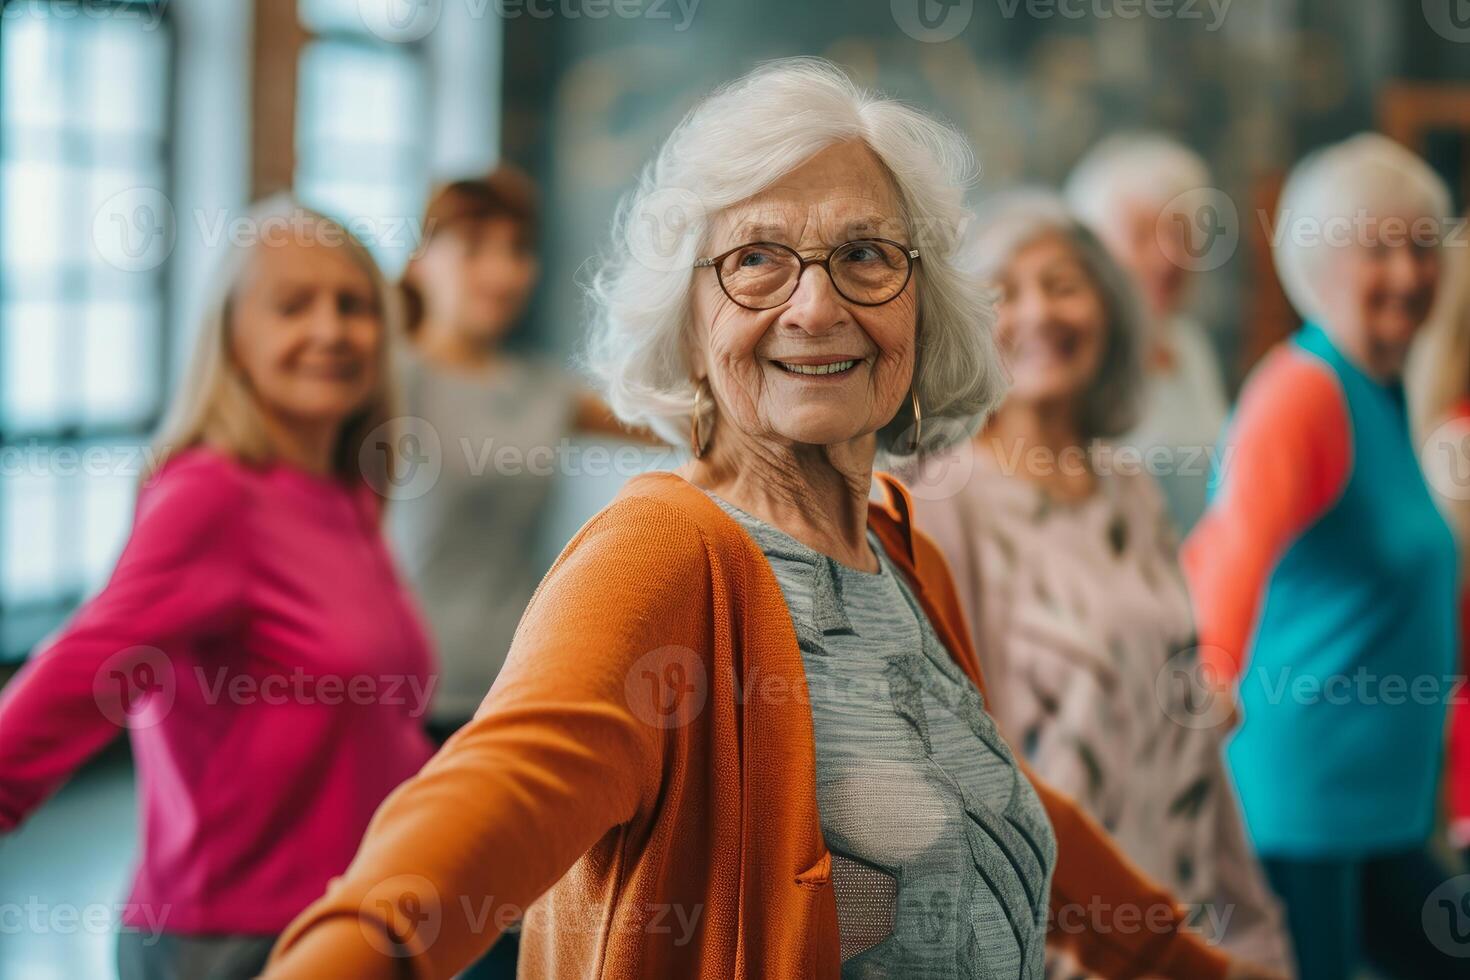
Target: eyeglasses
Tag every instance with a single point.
(763, 275)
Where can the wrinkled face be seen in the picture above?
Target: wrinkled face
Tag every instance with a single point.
(305, 329)
(1151, 246)
(1051, 323)
(818, 369)
(477, 277)
(1378, 290)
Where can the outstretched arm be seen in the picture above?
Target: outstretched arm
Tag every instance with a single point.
(1286, 459)
(178, 577)
(554, 760)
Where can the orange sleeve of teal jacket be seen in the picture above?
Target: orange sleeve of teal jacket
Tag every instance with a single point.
(1285, 460)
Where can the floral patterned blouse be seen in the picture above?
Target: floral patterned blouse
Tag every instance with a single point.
(1082, 620)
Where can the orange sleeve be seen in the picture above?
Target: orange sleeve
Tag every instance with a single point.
(556, 757)
(1108, 913)
(1285, 462)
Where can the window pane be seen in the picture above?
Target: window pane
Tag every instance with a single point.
(331, 15)
(30, 59)
(358, 94)
(119, 370)
(84, 101)
(31, 566)
(125, 89)
(33, 335)
(387, 20)
(132, 226)
(107, 512)
(361, 143)
(35, 225)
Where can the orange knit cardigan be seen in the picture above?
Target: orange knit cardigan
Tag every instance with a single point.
(643, 771)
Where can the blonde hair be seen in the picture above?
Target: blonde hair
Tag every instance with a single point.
(1437, 379)
(215, 406)
(1438, 375)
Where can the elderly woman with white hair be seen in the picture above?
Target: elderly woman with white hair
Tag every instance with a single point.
(1066, 564)
(1140, 193)
(1324, 578)
(741, 732)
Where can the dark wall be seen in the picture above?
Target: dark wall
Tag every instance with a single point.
(1250, 84)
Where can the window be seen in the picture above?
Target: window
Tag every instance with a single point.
(85, 229)
(362, 133)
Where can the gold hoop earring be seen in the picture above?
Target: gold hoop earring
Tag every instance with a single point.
(696, 442)
(918, 419)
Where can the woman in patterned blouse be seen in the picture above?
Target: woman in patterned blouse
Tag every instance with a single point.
(1065, 557)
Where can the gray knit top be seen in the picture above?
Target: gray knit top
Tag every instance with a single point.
(941, 853)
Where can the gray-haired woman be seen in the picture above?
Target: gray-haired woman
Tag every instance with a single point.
(740, 732)
(1067, 566)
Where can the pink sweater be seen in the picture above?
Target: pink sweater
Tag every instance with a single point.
(273, 673)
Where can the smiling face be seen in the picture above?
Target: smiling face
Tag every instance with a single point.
(1051, 322)
(1380, 292)
(1153, 247)
(819, 369)
(305, 329)
(477, 277)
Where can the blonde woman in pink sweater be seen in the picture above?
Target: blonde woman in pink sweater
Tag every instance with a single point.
(254, 639)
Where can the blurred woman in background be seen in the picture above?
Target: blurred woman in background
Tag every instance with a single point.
(1140, 194)
(1324, 577)
(1065, 560)
(469, 541)
(253, 637)
(1439, 389)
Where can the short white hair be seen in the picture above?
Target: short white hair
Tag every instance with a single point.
(1138, 168)
(1367, 175)
(732, 145)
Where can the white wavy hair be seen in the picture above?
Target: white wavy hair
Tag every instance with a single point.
(1367, 174)
(1143, 167)
(732, 145)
